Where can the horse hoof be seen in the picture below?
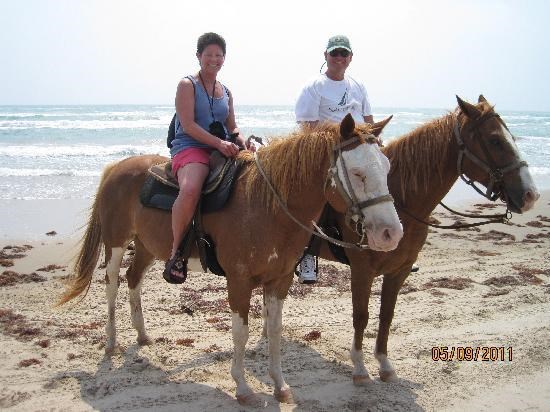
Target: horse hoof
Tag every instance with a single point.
(388, 376)
(145, 341)
(284, 396)
(250, 399)
(110, 349)
(362, 380)
(113, 349)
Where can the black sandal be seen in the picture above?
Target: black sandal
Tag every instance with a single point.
(177, 265)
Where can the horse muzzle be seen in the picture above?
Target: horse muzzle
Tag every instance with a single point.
(384, 237)
(520, 201)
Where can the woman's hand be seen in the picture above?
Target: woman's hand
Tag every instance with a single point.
(227, 149)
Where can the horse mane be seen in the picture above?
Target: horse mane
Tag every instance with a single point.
(416, 155)
(287, 161)
(423, 152)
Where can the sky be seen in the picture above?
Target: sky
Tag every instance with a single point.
(408, 53)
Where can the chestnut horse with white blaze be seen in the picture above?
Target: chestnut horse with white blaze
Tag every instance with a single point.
(425, 163)
(258, 244)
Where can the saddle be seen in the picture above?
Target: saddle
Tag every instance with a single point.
(161, 186)
(160, 190)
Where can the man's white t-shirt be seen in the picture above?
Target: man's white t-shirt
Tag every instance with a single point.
(330, 100)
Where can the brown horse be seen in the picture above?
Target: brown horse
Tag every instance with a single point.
(423, 169)
(258, 244)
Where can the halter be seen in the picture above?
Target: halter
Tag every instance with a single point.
(496, 174)
(354, 210)
(354, 215)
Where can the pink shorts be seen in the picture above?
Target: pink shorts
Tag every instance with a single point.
(191, 155)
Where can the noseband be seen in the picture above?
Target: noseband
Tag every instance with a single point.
(496, 174)
(354, 216)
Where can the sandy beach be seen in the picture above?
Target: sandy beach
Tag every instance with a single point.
(479, 288)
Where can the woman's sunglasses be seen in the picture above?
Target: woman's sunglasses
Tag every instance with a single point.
(339, 52)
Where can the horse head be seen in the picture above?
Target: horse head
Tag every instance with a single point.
(488, 154)
(357, 185)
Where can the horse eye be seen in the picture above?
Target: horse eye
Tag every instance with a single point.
(496, 142)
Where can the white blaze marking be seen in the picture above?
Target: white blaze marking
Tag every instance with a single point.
(524, 174)
(510, 139)
(366, 170)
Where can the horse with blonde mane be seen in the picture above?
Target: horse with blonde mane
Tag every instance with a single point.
(425, 163)
(258, 244)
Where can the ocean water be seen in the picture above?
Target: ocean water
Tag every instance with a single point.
(59, 152)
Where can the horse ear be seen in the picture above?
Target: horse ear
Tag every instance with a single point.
(469, 109)
(482, 99)
(347, 126)
(379, 126)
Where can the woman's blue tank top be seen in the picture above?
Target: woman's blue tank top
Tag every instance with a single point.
(203, 117)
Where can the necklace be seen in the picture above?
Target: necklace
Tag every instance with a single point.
(210, 99)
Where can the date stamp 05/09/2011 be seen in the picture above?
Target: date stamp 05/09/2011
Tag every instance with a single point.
(472, 353)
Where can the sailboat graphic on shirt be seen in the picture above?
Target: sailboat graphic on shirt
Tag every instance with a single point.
(344, 99)
(342, 105)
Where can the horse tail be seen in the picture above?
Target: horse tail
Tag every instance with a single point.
(88, 256)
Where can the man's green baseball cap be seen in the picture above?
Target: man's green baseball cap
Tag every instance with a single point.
(338, 42)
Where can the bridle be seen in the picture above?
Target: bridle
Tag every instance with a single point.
(495, 188)
(496, 174)
(354, 206)
(354, 215)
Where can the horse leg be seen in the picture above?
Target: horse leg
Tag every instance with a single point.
(114, 259)
(143, 260)
(360, 293)
(274, 308)
(264, 316)
(239, 302)
(390, 288)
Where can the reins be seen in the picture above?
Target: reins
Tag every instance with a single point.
(499, 218)
(353, 204)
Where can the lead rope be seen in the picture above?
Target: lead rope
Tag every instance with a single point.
(318, 232)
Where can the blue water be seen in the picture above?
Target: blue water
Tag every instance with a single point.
(58, 152)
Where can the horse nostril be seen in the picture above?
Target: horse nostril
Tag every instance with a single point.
(530, 197)
(392, 234)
